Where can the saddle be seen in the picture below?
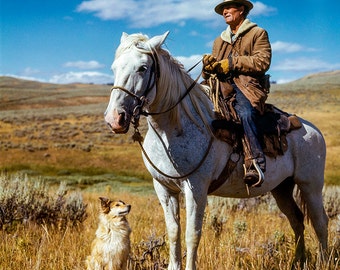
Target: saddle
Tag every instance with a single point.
(274, 125)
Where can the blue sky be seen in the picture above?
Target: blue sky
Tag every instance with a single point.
(65, 41)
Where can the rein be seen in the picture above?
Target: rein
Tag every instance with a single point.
(141, 100)
(138, 110)
(179, 101)
(165, 174)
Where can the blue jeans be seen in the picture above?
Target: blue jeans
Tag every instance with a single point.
(248, 116)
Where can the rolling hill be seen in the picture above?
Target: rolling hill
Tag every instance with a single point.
(53, 129)
(23, 95)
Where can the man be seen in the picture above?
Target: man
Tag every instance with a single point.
(240, 57)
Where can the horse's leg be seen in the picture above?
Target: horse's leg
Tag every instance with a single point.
(170, 203)
(312, 197)
(283, 195)
(195, 200)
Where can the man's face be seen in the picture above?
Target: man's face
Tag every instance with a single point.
(233, 14)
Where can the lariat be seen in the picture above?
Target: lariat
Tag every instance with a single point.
(214, 85)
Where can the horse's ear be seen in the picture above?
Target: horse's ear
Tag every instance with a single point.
(123, 37)
(157, 41)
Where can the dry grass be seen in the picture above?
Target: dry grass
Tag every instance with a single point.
(62, 136)
(64, 132)
(237, 234)
(72, 143)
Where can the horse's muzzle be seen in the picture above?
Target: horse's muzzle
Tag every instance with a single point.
(119, 122)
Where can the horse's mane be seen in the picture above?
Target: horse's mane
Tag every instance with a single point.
(172, 84)
(175, 81)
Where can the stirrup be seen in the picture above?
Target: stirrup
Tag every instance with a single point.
(260, 175)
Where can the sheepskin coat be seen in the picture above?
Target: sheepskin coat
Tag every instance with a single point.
(249, 54)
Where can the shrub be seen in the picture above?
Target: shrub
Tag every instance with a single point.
(23, 200)
(149, 254)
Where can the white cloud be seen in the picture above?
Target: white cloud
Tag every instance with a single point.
(23, 77)
(261, 9)
(84, 65)
(70, 77)
(287, 47)
(280, 46)
(189, 62)
(102, 78)
(82, 77)
(284, 80)
(149, 13)
(304, 64)
(30, 71)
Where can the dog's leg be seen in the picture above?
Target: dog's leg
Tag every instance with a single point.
(92, 264)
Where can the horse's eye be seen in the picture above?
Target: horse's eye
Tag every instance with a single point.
(142, 68)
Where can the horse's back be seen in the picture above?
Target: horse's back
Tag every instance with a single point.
(308, 150)
(308, 138)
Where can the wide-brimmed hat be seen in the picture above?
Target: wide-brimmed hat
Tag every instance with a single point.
(246, 3)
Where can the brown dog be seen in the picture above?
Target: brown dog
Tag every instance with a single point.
(111, 247)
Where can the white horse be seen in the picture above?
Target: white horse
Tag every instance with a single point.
(183, 155)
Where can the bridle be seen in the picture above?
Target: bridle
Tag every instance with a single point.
(155, 72)
(138, 111)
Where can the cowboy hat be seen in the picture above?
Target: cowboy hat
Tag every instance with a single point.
(246, 3)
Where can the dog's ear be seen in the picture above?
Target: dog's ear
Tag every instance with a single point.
(105, 203)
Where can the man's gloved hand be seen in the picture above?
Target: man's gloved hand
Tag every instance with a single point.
(208, 62)
(221, 67)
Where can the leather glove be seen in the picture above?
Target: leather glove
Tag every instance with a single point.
(208, 62)
(221, 67)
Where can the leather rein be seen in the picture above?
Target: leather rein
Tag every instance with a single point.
(138, 111)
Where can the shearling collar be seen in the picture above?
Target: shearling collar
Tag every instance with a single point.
(245, 26)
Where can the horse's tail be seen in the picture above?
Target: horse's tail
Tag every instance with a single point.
(302, 204)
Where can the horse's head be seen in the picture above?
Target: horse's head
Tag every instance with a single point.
(135, 71)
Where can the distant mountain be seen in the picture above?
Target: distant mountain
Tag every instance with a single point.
(318, 81)
(11, 82)
(24, 95)
(14, 91)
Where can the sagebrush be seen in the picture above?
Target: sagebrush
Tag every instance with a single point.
(237, 234)
(23, 201)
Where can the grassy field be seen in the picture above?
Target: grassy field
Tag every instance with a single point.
(57, 133)
(237, 234)
(59, 129)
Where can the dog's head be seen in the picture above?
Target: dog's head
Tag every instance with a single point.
(114, 208)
